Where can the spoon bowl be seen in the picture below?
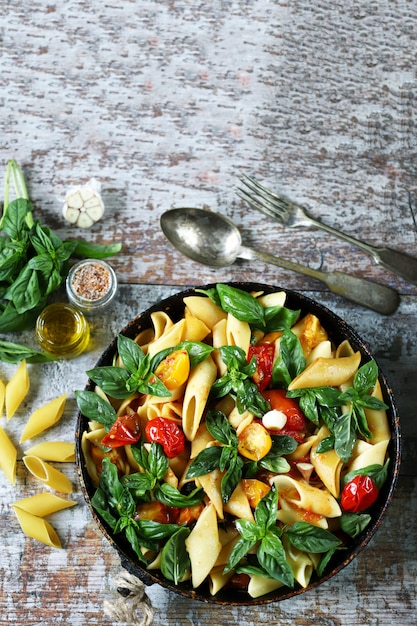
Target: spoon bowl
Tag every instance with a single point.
(212, 239)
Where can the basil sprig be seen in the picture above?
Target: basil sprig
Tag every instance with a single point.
(270, 560)
(246, 308)
(116, 505)
(346, 426)
(238, 383)
(224, 457)
(137, 373)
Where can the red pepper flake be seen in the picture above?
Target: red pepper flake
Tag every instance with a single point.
(91, 281)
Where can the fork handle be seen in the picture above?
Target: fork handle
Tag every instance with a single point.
(398, 262)
(379, 298)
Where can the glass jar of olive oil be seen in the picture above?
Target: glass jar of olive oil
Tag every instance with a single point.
(62, 330)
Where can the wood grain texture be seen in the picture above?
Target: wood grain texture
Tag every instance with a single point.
(167, 104)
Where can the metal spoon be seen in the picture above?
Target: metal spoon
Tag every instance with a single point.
(212, 239)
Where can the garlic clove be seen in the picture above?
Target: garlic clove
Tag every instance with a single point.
(84, 220)
(75, 200)
(72, 215)
(95, 212)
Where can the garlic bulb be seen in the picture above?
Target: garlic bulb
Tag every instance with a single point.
(83, 205)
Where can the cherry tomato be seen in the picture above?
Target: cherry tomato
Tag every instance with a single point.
(166, 432)
(174, 370)
(254, 490)
(264, 355)
(157, 512)
(296, 425)
(358, 494)
(254, 442)
(189, 514)
(125, 430)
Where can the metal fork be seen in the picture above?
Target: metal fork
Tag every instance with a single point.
(294, 215)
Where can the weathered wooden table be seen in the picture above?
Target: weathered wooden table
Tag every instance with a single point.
(167, 104)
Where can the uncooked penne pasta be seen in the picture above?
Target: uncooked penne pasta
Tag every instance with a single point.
(47, 474)
(8, 456)
(59, 451)
(17, 389)
(43, 504)
(37, 528)
(44, 417)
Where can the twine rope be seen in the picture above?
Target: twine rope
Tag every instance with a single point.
(132, 604)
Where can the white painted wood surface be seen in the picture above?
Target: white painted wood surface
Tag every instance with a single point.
(167, 103)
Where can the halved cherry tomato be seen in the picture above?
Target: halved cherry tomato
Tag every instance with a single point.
(264, 355)
(358, 494)
(254, 442)
(174, 370)
(166, 432)
(125, 430)
(254, 490)
(189, 514)
(296, 425)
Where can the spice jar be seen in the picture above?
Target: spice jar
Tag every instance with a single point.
(62, 331)
(91, 285)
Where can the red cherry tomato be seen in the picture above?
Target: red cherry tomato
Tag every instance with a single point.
(296, 425)
(166, 432)
(264, 355)
(358, 494)
(125, 430)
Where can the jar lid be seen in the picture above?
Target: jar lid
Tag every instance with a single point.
(91, 285)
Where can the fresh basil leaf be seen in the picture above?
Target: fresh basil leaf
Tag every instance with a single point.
(282, 444)
(277, 318)
(156, 530)
(197, 351)
(14, 218)
(370, 402)
(344, 436)
(111, 379)
(12, 321)
(14, 353)
(311, 538)
(271, 556)
(136, 541)
(95, 408)
(231, 477)
(239, 551)
(377, 472)
(41, 241)
(157, 461)
(249, 531)
(94, 250)
(276, 464)
(290, 362)
(325, 559)
(110, 485)
(252, 570)
(326, 444)
(174, 557)
(130, 353)
(365, 378)
(167, 494)
(139, 482)
(24, 292)
(220, 428)
(205, 462)
(266, 510)
(99, 503)
(354, 523)
(241, 304)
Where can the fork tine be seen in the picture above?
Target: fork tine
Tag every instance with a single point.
(258, 204)
(275, 202)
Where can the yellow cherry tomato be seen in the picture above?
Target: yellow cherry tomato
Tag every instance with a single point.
(254, 442)
(254, 490)
(174, 370)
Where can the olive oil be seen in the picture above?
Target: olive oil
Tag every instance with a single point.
(62, 330)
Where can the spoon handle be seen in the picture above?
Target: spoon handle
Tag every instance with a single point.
(379, 298)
